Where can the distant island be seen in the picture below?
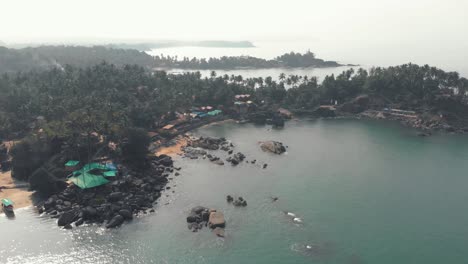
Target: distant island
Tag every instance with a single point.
(287, 60)
(48, 57)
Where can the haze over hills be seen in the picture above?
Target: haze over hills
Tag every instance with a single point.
(141, 45)
(46, 57)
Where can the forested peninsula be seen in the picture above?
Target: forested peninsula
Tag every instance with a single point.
(55, 111)
(48, 57)
(122, 114)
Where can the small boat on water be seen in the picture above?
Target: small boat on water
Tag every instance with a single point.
(7, 206)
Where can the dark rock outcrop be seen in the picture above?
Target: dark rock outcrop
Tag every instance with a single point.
(209, 143)
(236, 158)
(240, 202)
(201, 216)
(67, 218)
(272, 147)
(128, 194)
(115, 221)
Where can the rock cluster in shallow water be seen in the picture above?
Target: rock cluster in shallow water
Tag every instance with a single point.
(201, 216)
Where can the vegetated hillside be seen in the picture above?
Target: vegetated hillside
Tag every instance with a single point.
(47, 57)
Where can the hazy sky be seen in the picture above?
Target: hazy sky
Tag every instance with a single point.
(411, 21)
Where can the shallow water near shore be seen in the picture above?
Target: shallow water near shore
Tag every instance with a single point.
(367, 192)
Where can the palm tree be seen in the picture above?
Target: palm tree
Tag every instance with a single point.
(282, 76)
(213, 74)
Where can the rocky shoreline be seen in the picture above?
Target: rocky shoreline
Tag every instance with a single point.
(136, 192)
(427, 127)
(205, 147)
(439, 118)
(130, 194)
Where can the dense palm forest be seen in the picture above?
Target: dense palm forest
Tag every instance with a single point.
(122, 96)
(48, 57)
(57, 110)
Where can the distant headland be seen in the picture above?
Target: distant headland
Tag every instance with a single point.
(48, 57)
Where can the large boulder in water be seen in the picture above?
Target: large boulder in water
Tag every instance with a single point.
(193, 218)
(127, 214)
(67, 218)
(273, 147)
(50, 203)
(115, 221)
(216, 219)
(89, 212)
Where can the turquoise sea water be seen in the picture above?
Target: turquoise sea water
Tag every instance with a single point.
(367, 192)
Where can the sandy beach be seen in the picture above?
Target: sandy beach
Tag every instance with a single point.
(174, 150)
(15, 190)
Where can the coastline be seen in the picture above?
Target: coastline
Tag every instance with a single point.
(15, 190)
(18, 191)
(182, 140)
(173, 150)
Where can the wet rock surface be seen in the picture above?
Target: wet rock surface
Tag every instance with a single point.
(239, 201)
(131, 193)
(273, 147)
(219, 151)
(236, 158)
(202, 216)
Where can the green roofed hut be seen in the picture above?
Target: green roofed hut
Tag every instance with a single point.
(71, 165)
(88, 180)
(92, 175)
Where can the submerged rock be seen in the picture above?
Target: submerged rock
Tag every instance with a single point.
(219, 231)
(240, 202)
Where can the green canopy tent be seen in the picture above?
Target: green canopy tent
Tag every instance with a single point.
(88, 180)
(92, 175)
(72, 163)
